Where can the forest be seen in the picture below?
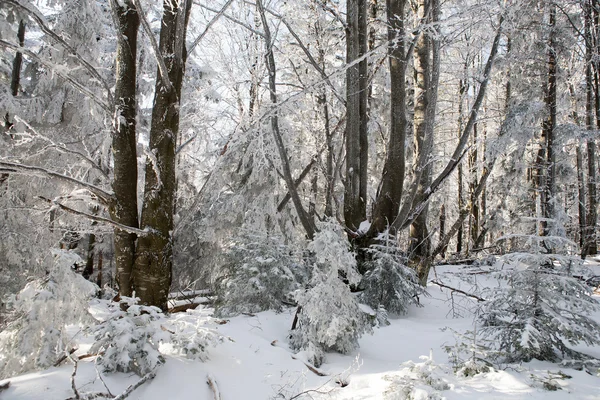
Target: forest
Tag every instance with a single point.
(171, 169)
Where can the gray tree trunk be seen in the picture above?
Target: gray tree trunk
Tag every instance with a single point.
(124, 210)
(387, 203)
(154, 253)
(356, 115)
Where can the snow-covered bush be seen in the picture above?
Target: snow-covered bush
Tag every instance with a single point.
(330, 317)
(260, 272)
(36, 335)
(190, 337)
(423, 381)
(126, 341)
(539, 308)
(135, 337)
(388, 282)
(470, 355)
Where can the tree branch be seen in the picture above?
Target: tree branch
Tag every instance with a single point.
(212, 383)
(311, 59)
(22, 169)
(58, 72)
(270, 61)
(208, 26)
(39, 19)
(129, 229)
(162, 67)
(480, 299)
(232, 19)
(136, 385)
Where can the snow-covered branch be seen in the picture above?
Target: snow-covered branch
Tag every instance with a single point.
(129, 229)
(40, 20)
(56, 69)
(22, 169)
(162, 67)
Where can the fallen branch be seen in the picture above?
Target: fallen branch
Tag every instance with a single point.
(212, 383)
(458, 291)
(4, 386)
(136, 385)
(64, 357)
(311, 368)
(183, 307)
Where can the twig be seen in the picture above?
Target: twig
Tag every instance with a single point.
(458, 291)
(212, 383)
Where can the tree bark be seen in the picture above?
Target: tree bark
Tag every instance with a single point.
(124, 208)
(154, 253)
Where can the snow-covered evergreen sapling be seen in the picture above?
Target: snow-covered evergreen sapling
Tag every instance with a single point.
(259, 273)
(540, 308)
(125, 341)
(388, 282)
(330, 318)
(36, 335)
(137, 338)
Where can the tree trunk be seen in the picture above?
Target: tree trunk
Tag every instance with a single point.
(124, 210)
(387, 204)
(18, 61)
(154, 253)
(356, 118)
(591, 65)
(425, 96)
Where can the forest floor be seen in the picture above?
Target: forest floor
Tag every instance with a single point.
(405, 358)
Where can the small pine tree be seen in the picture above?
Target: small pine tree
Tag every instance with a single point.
(330, 318)
(388, 282)
(125, 340)
(540, 308)
(260, 272)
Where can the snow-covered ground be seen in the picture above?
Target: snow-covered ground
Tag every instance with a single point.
(254, 362)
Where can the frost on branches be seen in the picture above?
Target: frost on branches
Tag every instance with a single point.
(330, 318)
(259, 274)
(389, 285)
(540, 308)
(35, 338)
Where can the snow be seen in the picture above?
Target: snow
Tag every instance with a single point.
(254, 362)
